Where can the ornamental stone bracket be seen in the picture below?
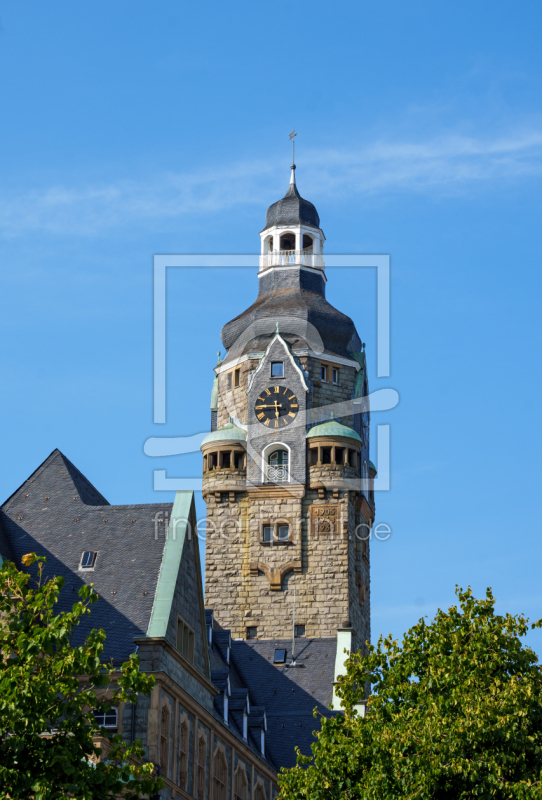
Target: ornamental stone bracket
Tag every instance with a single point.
(275, 576)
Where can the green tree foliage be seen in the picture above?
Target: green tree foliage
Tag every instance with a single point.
(456, 712)
(47, 721)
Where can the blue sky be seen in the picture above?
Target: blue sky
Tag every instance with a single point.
(130, 128)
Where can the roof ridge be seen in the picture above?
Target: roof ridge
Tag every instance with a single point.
(45, 465)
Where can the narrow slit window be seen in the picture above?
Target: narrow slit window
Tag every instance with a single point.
(185, 640)
(229, 377)
(277, 369)
(88, 559)
(335, 374)
(323, 372)
(237, 378)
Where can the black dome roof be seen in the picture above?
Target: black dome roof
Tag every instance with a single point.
(295, 300)
(292, 210)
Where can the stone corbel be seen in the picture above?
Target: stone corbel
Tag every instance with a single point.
(275, 576)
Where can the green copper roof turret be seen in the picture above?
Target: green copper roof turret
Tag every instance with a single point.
(229, 432)
(333, 428)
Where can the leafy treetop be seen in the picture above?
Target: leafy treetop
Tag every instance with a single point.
(456, 712)
(47, 721)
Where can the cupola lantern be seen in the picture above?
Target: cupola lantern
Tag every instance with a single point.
(292, 233)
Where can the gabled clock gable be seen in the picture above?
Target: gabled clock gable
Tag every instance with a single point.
(259, 437)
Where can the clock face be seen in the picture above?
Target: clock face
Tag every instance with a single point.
(276, 407)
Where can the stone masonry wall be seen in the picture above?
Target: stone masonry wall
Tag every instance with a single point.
(233, 403)
(326, 590)
(324, 394)
(325, 564)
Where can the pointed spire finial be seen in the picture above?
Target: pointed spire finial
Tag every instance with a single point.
(292, 176)
(218, 359)
(277, 328)
(331, 414)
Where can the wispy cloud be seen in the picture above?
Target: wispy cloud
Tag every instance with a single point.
(447, 164)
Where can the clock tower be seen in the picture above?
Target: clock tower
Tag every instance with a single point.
(286, 473)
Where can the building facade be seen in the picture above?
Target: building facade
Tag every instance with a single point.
(287, 483)
(144, 563)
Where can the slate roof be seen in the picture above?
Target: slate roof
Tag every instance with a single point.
(292, 209)
(296, 300)
(237, 701)
(287, 695)
(58, 513)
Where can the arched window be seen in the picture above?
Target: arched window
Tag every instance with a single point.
(287, 241)
(220, 776)
(202, 757)
(259, 794)
(164, 741)
(307, 242)
(241, 783)
(183, 756)
(277, 467)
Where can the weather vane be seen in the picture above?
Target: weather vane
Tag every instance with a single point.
(292, 137)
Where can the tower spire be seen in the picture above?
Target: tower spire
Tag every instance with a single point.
(292, 177)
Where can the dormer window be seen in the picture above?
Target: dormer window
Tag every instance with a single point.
(88, 559)
(277, 369)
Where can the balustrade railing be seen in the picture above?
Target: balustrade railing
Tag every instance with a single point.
(276, 474)
(284, 258)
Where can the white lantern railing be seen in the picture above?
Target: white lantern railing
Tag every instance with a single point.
(286, 258)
